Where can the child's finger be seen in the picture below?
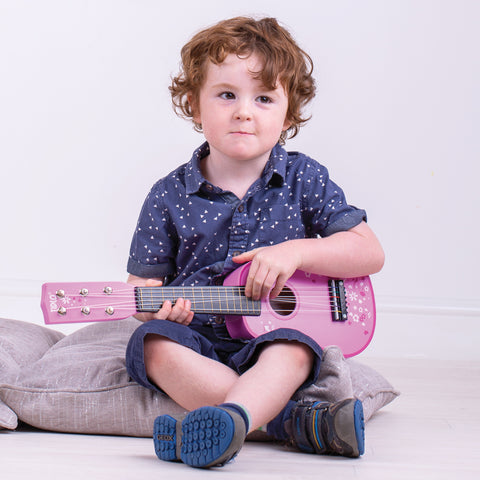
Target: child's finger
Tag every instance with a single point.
(181, 312)
(280, 283)
(164, 311)
(246, 256)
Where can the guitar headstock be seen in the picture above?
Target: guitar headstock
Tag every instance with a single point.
(75, 302)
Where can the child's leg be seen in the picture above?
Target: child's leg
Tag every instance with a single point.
(324, 417)
(191, 379)
(264, 390)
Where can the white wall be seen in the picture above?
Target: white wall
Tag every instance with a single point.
(86, 127)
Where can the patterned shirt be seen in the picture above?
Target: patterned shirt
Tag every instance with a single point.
(189, 229)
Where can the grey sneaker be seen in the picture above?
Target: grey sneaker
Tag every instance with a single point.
(329, 428)
(206, 437)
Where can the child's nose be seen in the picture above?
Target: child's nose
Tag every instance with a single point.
(243, 111)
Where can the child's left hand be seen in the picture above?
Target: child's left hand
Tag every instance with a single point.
(270, 269)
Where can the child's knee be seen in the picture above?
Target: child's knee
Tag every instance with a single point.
(295, 353)
(304, 355)
(154, 347)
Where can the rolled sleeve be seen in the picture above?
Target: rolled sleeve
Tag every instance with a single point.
(151, 250)
(349, 220)
(328, 211)
(150, 271)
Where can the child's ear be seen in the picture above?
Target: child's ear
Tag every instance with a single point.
(286, 124)
(193, 107)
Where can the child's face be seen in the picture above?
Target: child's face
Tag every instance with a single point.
(241, 119)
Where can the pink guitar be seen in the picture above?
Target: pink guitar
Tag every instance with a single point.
(332, 312)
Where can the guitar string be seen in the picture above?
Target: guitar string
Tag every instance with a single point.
(311, 299)
(209, 297)
(225, 311)
(194, 290)
(161, 292)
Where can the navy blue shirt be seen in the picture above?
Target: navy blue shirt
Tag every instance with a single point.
(189, 229)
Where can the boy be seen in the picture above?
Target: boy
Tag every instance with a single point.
(243, 198)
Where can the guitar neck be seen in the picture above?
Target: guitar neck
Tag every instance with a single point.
(214, 300)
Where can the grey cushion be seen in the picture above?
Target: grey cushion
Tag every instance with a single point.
(80, 384)
(21, 344)
(340, 378)
(8, 418)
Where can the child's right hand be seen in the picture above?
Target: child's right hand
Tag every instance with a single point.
(178, 313)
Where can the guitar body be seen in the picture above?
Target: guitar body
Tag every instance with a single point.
(331, 311)
(309, 310)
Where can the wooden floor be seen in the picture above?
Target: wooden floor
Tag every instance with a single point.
(431, 431)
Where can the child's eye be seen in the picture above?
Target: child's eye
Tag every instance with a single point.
(264, 99)
(227, 95)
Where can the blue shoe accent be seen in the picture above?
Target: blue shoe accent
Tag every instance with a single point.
(359, 423)
(207, 434)
(206, 437)
(165, 437)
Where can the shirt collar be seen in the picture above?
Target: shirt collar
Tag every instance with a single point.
(274, 172)
(193, 175)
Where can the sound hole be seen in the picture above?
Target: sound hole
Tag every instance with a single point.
(285, 303)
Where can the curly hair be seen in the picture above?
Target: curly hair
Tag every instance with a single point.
(283, 61)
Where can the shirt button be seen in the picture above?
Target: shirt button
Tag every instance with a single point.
(218, 319)
(236, 253)
(209, 187)
(241, 208)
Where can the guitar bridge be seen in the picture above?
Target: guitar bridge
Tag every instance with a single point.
(338, 301)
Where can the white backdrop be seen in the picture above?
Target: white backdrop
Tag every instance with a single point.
(86, 127)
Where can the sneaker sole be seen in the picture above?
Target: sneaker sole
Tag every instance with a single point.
(352, 435)
(206, 437)
(165, 436)
(359, 423)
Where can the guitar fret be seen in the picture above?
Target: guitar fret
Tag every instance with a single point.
(203, 297)
(247, 305)
(235, 294)
(142, 307)
(231, 305)
(228, 306)
(242, 300)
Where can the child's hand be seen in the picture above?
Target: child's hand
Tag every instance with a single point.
(179, 313)
(271, 267)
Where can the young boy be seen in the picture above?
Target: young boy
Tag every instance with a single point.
(243, 198)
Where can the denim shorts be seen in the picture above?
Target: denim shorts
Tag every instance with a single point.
(213, 343)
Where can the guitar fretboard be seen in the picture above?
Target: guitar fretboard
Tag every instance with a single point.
(215, 300)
